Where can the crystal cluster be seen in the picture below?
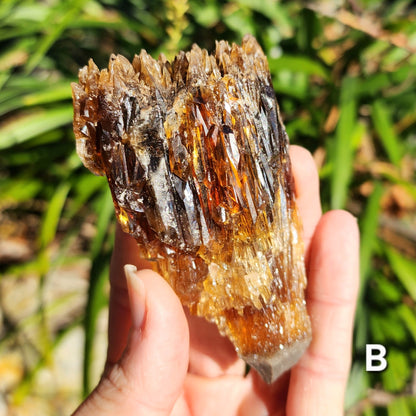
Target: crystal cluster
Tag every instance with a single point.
(196, 156)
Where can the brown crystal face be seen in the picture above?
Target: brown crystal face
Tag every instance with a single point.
(196, 156)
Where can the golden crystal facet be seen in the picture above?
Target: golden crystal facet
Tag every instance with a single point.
(196, 156)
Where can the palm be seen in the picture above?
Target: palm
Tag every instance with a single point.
(215, 383)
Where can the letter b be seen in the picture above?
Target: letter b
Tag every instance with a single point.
(375, 353)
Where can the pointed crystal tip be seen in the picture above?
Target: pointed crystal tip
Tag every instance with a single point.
(272, 367)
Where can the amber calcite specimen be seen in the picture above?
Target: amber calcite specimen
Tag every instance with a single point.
(196, 156)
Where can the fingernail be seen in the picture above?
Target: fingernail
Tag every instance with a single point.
(136, 290)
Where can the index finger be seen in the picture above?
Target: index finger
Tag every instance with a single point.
(318, 381)
(308, 199)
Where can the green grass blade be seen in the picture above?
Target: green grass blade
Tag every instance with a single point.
(64, 18)
(397, 372)
(53, 215)
(411, 402)
(4, 77)
(298, 64)
(386, 327)
(51, 94)
(369, 226)
(409, 319)
(272, 10)
(405, 270)
(17, 190)
(384, 127)
(358, 383)
(343, 147)
(369, 410)
(21, 84)
(96, 301)
(98, 277)
(84, 187)
(399, 407)
(32, 124)
(104, 220)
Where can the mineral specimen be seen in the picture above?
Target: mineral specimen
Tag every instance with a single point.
(196, 156)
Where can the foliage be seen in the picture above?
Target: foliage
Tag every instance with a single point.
(345, 77)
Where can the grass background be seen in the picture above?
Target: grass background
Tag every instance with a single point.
(344, 74)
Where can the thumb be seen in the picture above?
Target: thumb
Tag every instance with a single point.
(148, 379)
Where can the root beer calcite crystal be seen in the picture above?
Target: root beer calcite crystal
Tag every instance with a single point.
(196, 156)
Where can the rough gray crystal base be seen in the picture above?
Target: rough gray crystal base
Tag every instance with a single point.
(272, 367)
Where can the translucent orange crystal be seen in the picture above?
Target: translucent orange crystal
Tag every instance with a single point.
(196, 156)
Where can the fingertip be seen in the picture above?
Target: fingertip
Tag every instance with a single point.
(346, 222)
(304, 169)
(335, 247)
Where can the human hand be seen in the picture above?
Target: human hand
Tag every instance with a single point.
(162, 361)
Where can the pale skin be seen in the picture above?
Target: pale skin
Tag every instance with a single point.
(162, 361)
